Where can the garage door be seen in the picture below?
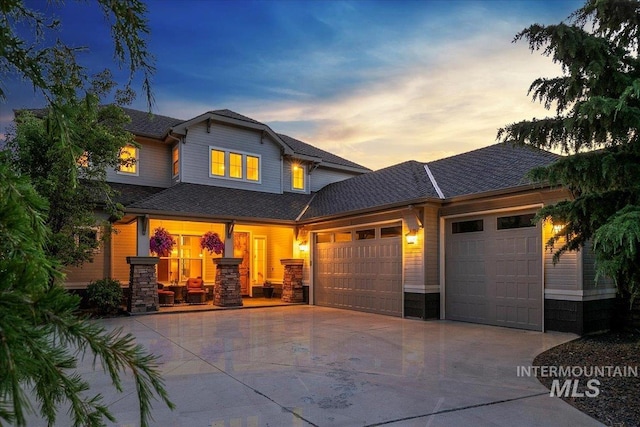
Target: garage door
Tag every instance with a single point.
(493, 270)
(360, 269)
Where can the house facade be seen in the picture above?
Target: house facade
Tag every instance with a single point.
(450, 239)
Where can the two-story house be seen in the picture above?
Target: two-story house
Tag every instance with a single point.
(450, 239)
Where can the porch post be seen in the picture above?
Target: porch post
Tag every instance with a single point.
(142, 237)
(226, 291)
(143, 287)
(228, 242)
(292, 281)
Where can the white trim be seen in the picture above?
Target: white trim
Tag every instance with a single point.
(579, 295)
(304, 177)
(227, 152)
(434, 182)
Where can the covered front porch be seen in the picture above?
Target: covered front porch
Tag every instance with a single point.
(259, 254)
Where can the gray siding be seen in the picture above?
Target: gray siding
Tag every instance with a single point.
(195, 156)
(431, 247)
(325, 176)
(154, 167)
(564, 274)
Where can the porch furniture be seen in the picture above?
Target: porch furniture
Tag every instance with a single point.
(196, 293)
(165, 297)
(180, 291)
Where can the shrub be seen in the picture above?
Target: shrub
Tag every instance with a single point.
(105, 295)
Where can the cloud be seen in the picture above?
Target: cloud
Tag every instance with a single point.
(420, 112)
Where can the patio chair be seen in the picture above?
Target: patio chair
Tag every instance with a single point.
(165, 297)
(196, 294)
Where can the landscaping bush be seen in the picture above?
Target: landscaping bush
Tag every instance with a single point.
(105, 295)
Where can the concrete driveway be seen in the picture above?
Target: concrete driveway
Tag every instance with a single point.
(314, 366)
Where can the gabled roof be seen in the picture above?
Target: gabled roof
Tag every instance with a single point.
(305, 149)
(222, 203)
(402, 183)
(495, 167)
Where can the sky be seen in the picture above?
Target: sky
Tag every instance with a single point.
(377, 82)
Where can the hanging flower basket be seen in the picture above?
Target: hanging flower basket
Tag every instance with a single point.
(161, 243)
(212, 242)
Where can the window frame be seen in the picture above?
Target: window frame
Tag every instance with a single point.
(303, 170)
(243, 165)
(175, 160)
(135, 165)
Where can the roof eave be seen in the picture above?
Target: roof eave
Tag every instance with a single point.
(372, 210)
(214, 218)
(500, 192)
(181, 128)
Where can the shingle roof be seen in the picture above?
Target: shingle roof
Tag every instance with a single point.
(129, 193)
(211, 201)
(495, 167)
(404, 182)
(309, 150)
(153, 126)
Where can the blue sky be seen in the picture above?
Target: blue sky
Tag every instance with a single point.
(378, 82)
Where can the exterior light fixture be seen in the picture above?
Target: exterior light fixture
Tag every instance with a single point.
(412, 237)
(558, 227)
(303, 246)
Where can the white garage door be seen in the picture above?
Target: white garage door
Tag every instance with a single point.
(360, 269)
(493, 270)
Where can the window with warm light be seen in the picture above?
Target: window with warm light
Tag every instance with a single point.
(217, 162)
(235, 165)
(253, 168)
(297, 177)
(175, 158)
(129, 160)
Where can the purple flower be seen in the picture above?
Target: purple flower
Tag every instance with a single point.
(211, 241)
(161, 242)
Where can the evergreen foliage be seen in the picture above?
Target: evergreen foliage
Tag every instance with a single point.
(597, 123)
(65, 154)
(105, 295)
(41, 337)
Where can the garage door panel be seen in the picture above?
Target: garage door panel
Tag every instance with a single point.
(371, 270)
(494, 276)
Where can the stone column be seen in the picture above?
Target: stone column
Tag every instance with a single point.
(226, 291)
(143, 287)
(292, 282)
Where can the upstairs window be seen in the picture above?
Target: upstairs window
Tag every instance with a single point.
(128, 160)
(234, 165)
(175, 160)
(297, 177)
(217, 162)
(253, 168)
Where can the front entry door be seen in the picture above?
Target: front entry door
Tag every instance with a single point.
(241, 250)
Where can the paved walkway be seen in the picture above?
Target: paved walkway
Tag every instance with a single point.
(314, 366)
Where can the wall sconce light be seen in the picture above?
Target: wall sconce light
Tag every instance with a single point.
(557, 228)
(412, 237)
(303, 246)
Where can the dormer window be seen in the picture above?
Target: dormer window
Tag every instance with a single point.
(297, 176)
(128, 160)
(234, 165)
